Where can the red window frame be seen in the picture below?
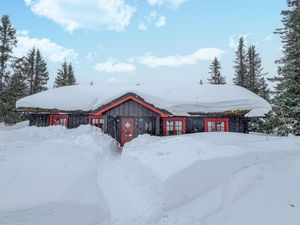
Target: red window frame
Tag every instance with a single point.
(99, 117)
(174, 119)
(217, 120)
(54, 117)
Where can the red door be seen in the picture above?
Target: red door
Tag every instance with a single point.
(127, 130)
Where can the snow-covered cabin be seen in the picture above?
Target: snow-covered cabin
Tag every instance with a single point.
(125, 111)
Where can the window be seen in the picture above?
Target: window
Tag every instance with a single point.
(170, 127)
(96, 121)
(56, 120)
(174, 126)
(178, 127)
(216, 124)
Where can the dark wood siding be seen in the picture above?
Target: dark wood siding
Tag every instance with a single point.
(145, 120)
(77, 120)
(39, 120)
(238, 124)
(194, 124)
(142, 125)
(131, 109)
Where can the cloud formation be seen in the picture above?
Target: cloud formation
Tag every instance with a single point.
(53, 51)
(154, 61)
(142, 27)
(85, 14)
(170, 3)
(234, 40)
(112, 65)
(153, 18)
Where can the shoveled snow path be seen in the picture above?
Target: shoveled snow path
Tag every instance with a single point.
(132, 194)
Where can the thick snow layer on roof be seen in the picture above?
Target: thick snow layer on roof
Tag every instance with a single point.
(177, 99)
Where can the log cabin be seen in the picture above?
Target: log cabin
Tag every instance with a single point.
(126, 111)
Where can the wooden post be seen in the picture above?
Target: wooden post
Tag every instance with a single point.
(157, 125)
(105, 123)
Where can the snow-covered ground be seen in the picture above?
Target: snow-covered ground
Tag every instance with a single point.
(55, 176)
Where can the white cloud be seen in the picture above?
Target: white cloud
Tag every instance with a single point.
(115, 66)
(171, 3)
(115, 80)
(268, 38)
(22, 32)
(142, 27)
(234, 40)
(53, 51)
(85, 14)
(161, 21)
(153, 18)
(178, 60)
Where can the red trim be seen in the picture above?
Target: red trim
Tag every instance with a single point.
(54, 117)
(162, 114)
(91, 117)
(183, 119)
(225, 120)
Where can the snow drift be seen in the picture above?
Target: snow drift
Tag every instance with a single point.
(51, 175)
(73, 177)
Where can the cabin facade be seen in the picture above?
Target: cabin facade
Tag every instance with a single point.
(130, 115)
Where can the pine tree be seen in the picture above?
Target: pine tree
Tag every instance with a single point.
(240, 65)
(8, 40)
(255, 76)
(36, 72)
(41, 73)
(287, 89)
(65, 76)
(71, 75)
(216, 77)
(15, 90)
(29, 69)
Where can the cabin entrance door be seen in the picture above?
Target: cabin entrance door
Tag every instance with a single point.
(127, 127)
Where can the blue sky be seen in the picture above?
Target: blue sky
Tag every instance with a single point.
(145, 41)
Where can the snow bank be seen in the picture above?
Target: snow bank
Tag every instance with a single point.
(72, 177)
(16, 126)
(191, 165)
(51, 170)
(177, 99)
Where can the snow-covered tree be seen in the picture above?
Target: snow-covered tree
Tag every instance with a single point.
(240, 65)
(215, 73)
(287, 89)
(8, 40)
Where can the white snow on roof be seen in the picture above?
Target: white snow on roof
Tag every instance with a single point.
(177, 99)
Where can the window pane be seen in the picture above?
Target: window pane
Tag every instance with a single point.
(209, 126)
(213, 126)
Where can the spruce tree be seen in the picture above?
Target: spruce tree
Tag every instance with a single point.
(29, 69)
(71, 75)
(41, 73)
(255, 75)
(216, 77)
(15, 90)
(240, 65)
(287, 89)
(8, 40)
(36, 72)
(65, 76)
